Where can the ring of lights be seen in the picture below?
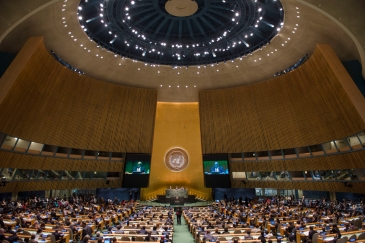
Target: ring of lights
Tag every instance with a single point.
(218, 31)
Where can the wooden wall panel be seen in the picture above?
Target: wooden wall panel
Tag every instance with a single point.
(353, 160)
(357, 187)
(50, 104)
(305, 107)
(24, 161)
(58, 185)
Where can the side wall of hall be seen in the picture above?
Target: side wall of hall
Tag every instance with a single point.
(316, 103)
(44, 102)
(48, 103)
(310, 105)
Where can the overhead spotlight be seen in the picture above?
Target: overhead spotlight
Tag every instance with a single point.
(213, 54)
(144, 52)
(114, 39)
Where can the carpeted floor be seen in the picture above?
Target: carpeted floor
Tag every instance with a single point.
(181, 232)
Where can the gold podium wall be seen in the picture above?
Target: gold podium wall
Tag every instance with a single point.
(177, 125)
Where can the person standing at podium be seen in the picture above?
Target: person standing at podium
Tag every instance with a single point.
(217, 169)
(139, 168)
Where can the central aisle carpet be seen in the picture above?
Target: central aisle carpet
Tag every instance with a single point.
(181, 232)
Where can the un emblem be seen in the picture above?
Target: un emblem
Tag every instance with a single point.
(176, 159)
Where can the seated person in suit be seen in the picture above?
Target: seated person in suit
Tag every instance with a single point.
(225, 231)
(334, 229)
(167, 239)
(217, 169)
(165, 232)
(262, 235)
(216, 231)
(311, 233)
(142, 231)
(139, 168)
(14, 237)
(57, 235)
(248, 236)
(32, 239)
(149, 237)
(292, 238)
(99, 238)
(119, 230)
(2, 236)
(85, 239)
(289, 229)
(208, 236)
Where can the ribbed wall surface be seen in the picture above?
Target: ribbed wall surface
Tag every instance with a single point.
(301, 108)
(50, 104)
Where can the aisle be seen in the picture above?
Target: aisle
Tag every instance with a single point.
(181, 232)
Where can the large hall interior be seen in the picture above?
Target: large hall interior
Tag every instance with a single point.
(183, 107)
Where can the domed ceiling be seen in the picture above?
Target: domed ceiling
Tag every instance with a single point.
(181, 32)
(58, 21)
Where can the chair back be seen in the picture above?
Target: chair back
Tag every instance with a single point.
(342, 240)
(125, 238)
(315, 238)
(361, 236)
(139, 238)
(278, 228)
(53, 239)
(236, 238)
(352, 237)
(359, 223)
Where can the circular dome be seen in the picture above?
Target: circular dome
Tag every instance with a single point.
(212, 31)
